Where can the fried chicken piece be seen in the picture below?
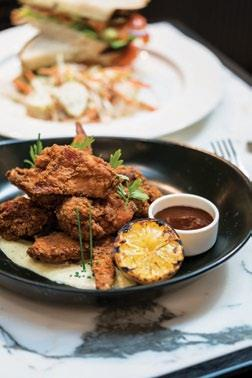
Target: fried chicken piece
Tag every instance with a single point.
(57, 248)
(64, 171)
(151, 190)
(103, 266)
(131, 172)
(20, 218)
(108, 215)
(153, 193)
(67, 217)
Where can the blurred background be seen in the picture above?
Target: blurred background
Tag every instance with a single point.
(225, 24)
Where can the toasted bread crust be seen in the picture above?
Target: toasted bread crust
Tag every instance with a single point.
(94, 9)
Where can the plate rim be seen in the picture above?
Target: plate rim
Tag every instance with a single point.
(54, 286)
(191, 116)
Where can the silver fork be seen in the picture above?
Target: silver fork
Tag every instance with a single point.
(225, 149)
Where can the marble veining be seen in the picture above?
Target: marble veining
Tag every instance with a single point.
(142, 329)
(123, 331)
(247, 270)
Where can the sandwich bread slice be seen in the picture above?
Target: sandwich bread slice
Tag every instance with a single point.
(42, 51)
(100, 10)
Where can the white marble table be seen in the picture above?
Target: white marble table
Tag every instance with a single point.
(209, 317)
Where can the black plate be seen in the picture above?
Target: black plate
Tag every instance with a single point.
(175, 168)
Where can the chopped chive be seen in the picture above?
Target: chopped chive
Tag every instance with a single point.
(80, 239)
(90, 235)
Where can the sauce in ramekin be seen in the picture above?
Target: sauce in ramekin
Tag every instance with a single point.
(185, 217)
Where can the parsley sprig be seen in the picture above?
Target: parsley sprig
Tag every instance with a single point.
(78, 221)
(35, 150)
(115, 159)
(132, 191)
(83, 144)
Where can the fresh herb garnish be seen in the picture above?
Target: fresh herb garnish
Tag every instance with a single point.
(90, 235)
(78, 221)
(122, 177)
(35, 150)
(114, 159)
(122, 193)
(132, 191)
(82, 144)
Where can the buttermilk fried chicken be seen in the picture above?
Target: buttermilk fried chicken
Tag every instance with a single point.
(131, 172)
(64, 170)
(103, 266)
(57, 248)
(20, 218)
(108, 215)
(151, 190)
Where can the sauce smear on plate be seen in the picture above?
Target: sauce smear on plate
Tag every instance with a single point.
(185, 217)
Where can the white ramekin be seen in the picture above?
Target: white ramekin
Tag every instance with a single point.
(194, 241)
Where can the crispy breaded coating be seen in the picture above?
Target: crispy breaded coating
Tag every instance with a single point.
(103, 266)
(20, 218)
(108, 215)
(67, 219)
(149, 188)
(65, 171)
(131, 172)
(56, 248)
(153, 193)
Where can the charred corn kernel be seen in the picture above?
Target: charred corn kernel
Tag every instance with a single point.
(148, 251)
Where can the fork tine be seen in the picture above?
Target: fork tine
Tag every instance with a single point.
(229, 152)
(233, 151)
(213, 147)
(222, 153)
(226, 149)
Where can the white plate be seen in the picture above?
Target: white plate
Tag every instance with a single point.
(185, 77)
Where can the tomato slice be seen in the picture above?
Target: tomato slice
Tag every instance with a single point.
(137, 22)
(128, 56)
(98, 26)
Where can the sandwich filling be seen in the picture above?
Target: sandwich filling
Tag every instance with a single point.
(118, 32)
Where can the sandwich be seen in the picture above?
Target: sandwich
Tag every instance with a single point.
(42, 51)
(103, 31)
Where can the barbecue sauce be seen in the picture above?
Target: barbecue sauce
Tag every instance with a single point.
(185, 217)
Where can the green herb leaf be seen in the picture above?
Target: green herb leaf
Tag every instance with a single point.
(122, 177)
(122, 193)
(85, 143)
(78, 221)
(132, 191)
(114, 159)
(35, 150)
(140, 195)
(26, 161)
(134, 185)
